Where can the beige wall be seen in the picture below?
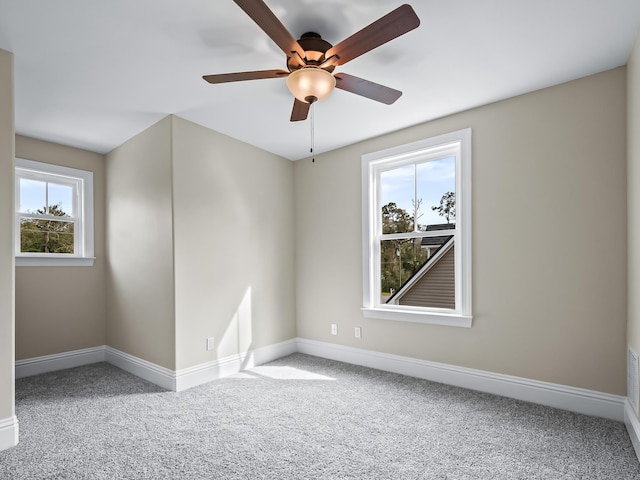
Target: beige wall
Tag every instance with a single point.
(59, 309)
(234, 251)
(549, 240)
(140, 297)
(549, 299)
(633, 194)
(6, 238)
(200, 242)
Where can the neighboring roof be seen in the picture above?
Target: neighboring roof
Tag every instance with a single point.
(431, 261)
(435, 241)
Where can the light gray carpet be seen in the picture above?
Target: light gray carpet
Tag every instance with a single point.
(300, 417)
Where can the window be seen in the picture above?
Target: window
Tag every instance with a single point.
(54, 215)
(417, 231)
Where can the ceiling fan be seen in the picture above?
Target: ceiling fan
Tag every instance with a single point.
(311, 59)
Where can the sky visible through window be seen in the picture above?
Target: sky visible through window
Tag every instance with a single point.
(33, 196)
(432, 179)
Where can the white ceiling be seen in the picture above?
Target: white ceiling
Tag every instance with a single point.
(93, 74)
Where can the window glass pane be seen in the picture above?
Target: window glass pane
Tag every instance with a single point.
(33, 196)
(418, 272)
(399, 260)
(46, 236)
(396, 199)
(436, 185)
(60, 200)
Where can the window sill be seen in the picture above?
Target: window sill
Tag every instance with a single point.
(54, 261)
(450, 320)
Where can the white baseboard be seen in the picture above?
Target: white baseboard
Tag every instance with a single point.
(8, 432)
(197, 375)
(161, 376)
(207, 372)
(574, 399)
(564, 397)
(633, 426)
(151, 372)
(59, 361)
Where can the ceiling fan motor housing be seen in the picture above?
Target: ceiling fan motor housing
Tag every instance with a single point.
(314, 47)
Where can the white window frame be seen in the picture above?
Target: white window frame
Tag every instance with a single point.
(457, 144)
(82, 180)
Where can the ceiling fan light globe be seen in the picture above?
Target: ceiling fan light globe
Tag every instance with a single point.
(310, 82)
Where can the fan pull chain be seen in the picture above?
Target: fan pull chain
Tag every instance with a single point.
(313, 140)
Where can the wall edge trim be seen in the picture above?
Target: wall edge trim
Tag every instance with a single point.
(161, 376)
(216, 369)
(579, 400)
(59, 361)
(8, 432)
(632, 423)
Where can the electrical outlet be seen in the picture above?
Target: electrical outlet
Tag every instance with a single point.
(210, 343)
(358, 332)
(334, 329)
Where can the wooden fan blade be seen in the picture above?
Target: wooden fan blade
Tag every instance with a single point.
(367, 89)
(300, 110)
(398, 22)
(267, 21)
(241, 76)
